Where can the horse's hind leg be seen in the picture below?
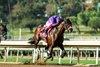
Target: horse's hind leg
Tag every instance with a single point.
(1, 55)
(63, 50)
(38, 50)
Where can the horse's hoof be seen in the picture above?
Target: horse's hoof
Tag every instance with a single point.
(62, 56)
(45, 60)
(1, 57)
(31, 38)
(51, 59)
(5, 37)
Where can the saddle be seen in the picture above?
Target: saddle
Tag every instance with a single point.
(43, 34)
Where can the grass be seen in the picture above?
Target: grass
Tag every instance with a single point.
(13, 59)
(25, 34)
(24, 31)
(55, 61)
(64, 61)
(85, 31)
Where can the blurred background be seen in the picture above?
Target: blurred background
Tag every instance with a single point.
(23, 16)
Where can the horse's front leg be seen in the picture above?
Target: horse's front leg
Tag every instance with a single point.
(48, 49)
(50, 55)
(63, 50)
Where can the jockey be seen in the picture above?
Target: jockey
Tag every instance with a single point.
(4, 33)
(52, 22)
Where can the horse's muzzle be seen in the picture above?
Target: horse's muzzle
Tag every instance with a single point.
(70, 30)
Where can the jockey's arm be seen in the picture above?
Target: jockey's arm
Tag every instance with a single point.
(57, 22)
(54, 24)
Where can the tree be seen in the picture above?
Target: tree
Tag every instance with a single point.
(51, 8)
(5, 6)
(95, 2)
(30, 23)
(75, 23)
(83, 18)
(71, 7)
(27, 11)
(94, 23)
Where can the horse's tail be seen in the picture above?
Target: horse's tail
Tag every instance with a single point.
(31, 42)
(37, 31)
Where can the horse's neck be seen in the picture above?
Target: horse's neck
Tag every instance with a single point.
(61, 29)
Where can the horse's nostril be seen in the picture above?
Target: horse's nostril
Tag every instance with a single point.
(71, 30)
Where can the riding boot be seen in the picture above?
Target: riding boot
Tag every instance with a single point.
(45, 33)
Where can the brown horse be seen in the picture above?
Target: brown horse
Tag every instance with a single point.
(54, 39)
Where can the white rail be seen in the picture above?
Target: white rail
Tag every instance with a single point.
(41, 43)
(25, 44)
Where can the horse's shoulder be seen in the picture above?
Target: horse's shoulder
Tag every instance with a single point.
(54, 30)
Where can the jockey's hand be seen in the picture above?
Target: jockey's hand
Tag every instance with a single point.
(41, 30)
(49, 30)
(62, 22)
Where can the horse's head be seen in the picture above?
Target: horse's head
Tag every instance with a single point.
(68, 25)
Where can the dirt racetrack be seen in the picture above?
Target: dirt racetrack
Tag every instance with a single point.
(45, 65)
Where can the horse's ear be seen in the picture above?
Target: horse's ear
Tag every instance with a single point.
(65, 22)
(68, 21)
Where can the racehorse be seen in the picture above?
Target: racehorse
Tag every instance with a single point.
(54, 39)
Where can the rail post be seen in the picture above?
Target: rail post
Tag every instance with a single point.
(17, 56)
(33, 55)
(97, 54)
(71, 55)
(60, 56)
(78, 56)
(6, 53)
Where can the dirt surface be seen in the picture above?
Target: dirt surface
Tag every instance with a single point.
(45, 65)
